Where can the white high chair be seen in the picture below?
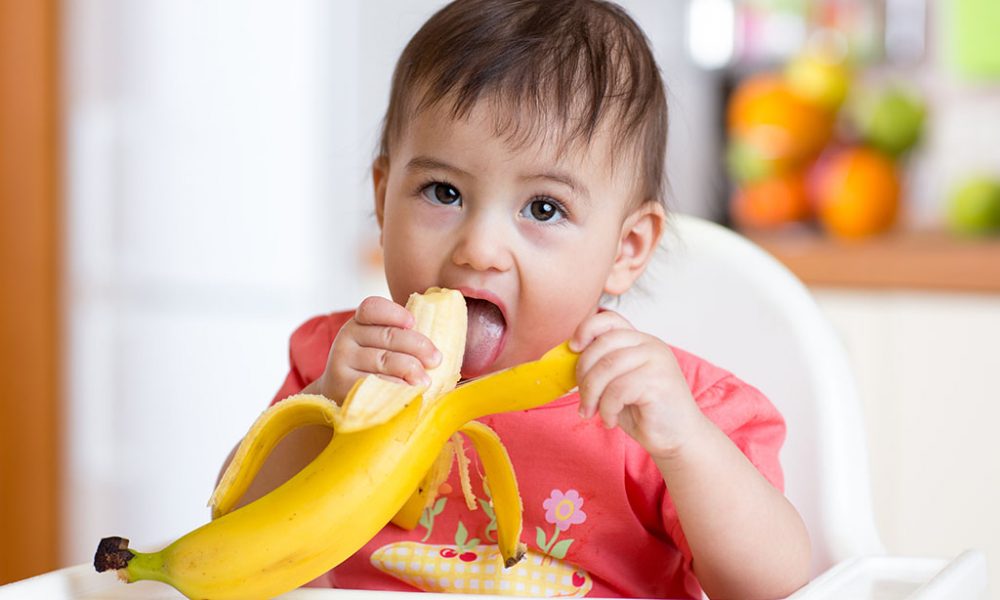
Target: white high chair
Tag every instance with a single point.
(714, 293)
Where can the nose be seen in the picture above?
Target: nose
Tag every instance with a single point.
(483, 244)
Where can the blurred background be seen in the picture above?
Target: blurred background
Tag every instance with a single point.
(183, 182)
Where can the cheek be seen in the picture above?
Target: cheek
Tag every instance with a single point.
(551, 318)
(405, 262)
(411, 247)
(561, 292)
(580, 259)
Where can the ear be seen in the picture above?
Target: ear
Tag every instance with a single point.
(380, 180)
(639, 238)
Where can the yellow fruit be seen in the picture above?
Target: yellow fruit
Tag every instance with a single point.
(819, 77)
(343, 498)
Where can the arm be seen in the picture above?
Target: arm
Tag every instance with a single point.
(746, 539)
(378, 340)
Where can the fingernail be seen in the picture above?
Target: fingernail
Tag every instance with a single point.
(436, 358)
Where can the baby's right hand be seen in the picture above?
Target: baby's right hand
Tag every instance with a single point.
(378, 340)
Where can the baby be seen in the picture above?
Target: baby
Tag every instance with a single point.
(522, 163)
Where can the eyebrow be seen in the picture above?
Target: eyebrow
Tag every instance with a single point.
(426, 163)
(565, 179)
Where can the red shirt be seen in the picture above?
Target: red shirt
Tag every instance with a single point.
(598, 519)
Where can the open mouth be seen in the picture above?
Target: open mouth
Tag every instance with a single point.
(485, 338)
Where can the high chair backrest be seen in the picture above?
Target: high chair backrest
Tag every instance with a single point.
(714, 293)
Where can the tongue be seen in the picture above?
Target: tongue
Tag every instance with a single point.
(482, 343)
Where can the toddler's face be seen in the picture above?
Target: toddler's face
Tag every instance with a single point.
(530, 237)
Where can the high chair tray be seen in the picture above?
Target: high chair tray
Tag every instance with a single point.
(902, 577)
(81, 582)
(867, 578)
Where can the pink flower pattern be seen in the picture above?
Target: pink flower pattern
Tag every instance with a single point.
(563, 510)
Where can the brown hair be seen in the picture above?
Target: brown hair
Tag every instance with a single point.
(571, 64)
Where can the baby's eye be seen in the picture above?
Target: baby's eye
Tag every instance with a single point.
(544, 209)
(442, 193)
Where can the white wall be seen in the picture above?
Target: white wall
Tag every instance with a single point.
(213, 204)
(217, 155)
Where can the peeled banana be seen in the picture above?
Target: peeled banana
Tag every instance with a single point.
(441, 316)
(370, 471)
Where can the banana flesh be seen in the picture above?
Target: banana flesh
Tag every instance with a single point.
(426, 493)
(441, 315)
(338, 502)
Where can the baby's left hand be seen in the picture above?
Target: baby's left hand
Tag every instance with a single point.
(633, 380)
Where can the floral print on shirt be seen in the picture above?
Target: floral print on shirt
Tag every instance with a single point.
(471, 567)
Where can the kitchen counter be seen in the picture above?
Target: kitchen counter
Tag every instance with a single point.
(922, 260)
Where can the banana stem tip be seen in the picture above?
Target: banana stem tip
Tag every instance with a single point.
(112, 553)
(518, 556)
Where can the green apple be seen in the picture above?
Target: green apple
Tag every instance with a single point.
(974, 207)
(745, 162)
(749, 159)
(891, 119)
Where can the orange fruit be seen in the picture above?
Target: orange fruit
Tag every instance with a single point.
(857, 192)
(772, 202)
(766, 110)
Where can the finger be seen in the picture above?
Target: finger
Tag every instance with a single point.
(598, 353)
(623, 391)
(380, 361)
(596, 325)
(375, 310)
(405, 341)
(607, 342)
(354, 376)
(608, 368)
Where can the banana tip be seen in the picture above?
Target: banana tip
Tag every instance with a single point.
(510, 561)
(112, 553)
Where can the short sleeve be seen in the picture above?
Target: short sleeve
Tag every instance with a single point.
(308, 350)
